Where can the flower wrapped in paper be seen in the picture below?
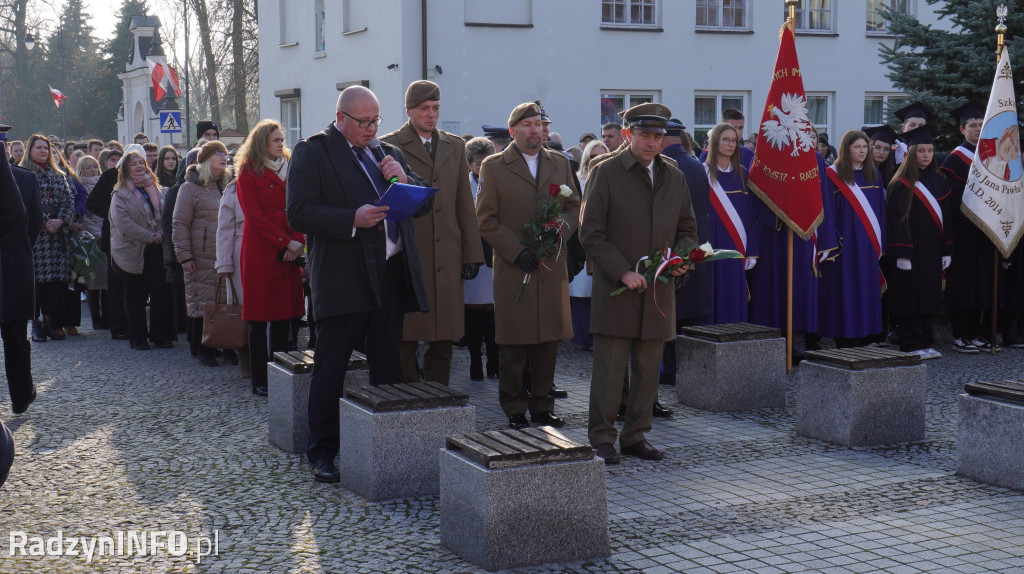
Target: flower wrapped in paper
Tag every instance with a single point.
(543, 235)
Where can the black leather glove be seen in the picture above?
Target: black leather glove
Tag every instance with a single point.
(527, 261)
(470, 270)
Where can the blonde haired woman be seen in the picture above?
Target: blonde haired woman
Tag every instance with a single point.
(271, 276)
(194, 234)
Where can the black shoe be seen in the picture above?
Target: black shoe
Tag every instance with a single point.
(324, 471)
(100, 325)
(492, 370)
(230, 356)
(208, 360)
(163, 344)
(559, 393)
(460, 343)
(661, 412)
(644, 450)
(547, 419)
(518, 421)
(120, 336)
(476, 370)
(621, 416)
(18, 409)
(140, 346)
(38, 336)
(259, 391)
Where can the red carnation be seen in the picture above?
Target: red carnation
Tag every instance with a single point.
(553, 190)
(697, 255)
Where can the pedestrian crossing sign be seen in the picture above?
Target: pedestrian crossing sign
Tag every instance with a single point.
(170, 122)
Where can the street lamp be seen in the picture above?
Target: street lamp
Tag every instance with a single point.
(30, 42)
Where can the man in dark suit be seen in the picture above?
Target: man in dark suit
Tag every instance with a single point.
(17, 303)
(365, 270)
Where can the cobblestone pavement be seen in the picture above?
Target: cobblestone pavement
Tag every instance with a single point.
(120, 440)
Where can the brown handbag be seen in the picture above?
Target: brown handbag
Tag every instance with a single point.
(223, 326)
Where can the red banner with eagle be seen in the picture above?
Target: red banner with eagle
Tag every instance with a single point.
(784, 172)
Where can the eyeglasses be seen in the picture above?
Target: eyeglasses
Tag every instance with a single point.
(728, 141)
(365, 123)
(221, 155)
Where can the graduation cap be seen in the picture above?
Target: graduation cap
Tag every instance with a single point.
(882, 133)
(496, 132)
(920, 135)
(972, 110)
(915, 110)
(674, 128)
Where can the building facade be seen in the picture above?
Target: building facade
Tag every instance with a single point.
(586, 60)
(140, 111)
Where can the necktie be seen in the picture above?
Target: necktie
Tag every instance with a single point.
(377, 178)
(427, 145)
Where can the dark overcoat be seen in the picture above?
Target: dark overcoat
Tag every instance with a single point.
(448, 236)
(16, 251)
(693, 300)
(326, 185)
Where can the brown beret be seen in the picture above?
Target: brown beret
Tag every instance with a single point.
(208, 149)
(421, 91)
(523, 111)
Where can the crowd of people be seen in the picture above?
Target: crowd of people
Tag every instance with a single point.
(272, 231)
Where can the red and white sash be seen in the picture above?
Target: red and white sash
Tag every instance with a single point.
(861, 207)
(930, 203)
(865, 213)
(728, 214)
(965, 154)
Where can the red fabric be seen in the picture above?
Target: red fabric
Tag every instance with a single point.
(272, 289)
(787, 179)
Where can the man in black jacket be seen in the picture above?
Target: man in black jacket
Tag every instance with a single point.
(364, 270)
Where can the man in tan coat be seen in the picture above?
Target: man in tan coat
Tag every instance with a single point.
(513, 185)
(449, 238)
(637, 201)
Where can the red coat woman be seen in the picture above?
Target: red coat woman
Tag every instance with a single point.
(272, 286)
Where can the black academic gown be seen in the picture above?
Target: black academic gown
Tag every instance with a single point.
(917, 238)
(693, 299)
(969, 276)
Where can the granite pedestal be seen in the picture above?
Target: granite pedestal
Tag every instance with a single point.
(388, 455)
(861, 407)
(990, 441)
(731, 375)
(522, 516)
(288, 403)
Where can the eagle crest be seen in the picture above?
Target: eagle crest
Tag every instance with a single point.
(792, 126)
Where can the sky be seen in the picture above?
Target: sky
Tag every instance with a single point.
(104, 14)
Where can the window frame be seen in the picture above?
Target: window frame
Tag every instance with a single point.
(319, 27)
(802, 16)
(290, 101)
(627, 96)
(655, 23)
(884, 30)
(830, 98)
(700, 131)
(720, 15)
(887, 97)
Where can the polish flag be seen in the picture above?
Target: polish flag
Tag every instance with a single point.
(58, 96)
(164, 77)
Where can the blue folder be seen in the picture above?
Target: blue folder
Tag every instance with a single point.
(404, 200)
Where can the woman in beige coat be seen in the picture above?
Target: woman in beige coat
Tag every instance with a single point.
(194, 234)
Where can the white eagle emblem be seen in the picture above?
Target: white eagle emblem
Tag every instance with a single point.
(793, 127)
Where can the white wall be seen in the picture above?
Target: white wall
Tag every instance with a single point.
(565, 59)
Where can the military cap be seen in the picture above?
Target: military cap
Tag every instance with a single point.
(674, 128)
(920, 135)
(523, 111)
(649, 117)
(4, 128)
(915, 110)
(496, 132)
(543, 113)
(421, 91)
(588, 135)
(971, 110)
(882, 133)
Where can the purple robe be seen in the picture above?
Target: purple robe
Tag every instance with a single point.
(729, 292)
(768, 278)
(849, 291)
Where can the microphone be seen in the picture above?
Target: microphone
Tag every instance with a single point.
(378, 154)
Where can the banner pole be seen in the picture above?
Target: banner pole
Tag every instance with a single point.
(791, 4)
(995, 296)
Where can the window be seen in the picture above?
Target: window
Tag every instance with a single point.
(722, 14)
(876, 22)
(813, 16)
(506, 13)
(291, 120)
(613, 102)
(878, 107)
(707, 112)
(282, 16)
(819, 107)
(629, 13)
(321, 24)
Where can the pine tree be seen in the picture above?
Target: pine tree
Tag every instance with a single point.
(118, 54)
(942, 68)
